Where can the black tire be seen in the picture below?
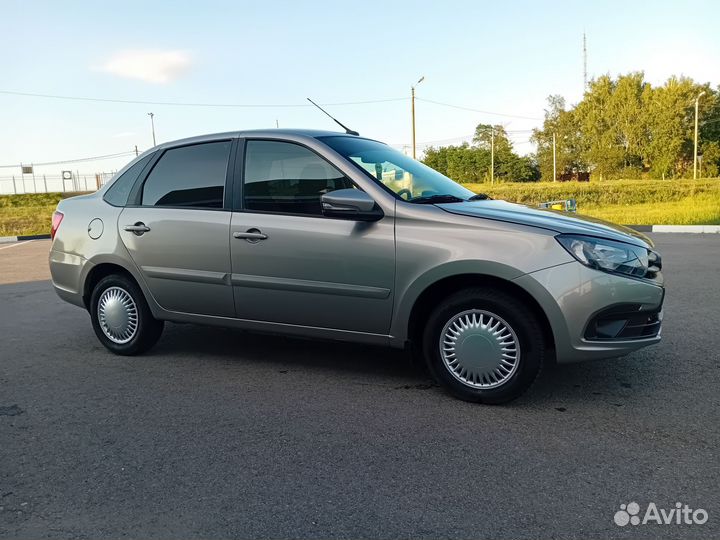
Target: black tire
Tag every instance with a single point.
(148, 329)
(520, 319)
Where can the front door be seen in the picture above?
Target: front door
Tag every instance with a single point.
(292, 265)
(178, 233)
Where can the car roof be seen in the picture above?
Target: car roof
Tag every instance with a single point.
(264, 133)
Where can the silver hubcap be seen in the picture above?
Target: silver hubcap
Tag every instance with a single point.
(117, 314)
(479, 349)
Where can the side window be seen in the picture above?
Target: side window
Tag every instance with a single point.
(192, 176)
(288, 178)
(118, 193)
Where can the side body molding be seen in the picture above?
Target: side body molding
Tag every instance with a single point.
(305, 285)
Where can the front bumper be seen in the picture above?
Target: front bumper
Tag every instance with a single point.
(584, 306)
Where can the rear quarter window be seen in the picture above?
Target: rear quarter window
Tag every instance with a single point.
(118, 193)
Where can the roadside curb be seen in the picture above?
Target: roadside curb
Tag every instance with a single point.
(712, 229)
(9, 239)
(687, 228)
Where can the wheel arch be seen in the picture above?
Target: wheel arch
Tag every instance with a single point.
(98, 272)
(443, 287)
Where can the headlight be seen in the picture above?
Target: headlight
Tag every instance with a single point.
(611, 256)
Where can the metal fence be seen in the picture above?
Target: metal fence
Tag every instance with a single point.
(47, 183)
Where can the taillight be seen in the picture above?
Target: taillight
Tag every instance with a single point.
(56, 221)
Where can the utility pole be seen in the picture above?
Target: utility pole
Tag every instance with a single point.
(695, 158)
(554, 161)
(492, 155)
(152, 123)
(136, 151)
(412, 106)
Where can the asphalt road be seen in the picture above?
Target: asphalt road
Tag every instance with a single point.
(218, 433)
(24, 261)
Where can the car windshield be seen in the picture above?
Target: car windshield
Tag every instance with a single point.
(407, 178)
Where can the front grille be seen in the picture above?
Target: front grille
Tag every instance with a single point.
(624, 322)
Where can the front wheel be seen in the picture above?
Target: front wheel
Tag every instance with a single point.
(484, 345)
(121, 317)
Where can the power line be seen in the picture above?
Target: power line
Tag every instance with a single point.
(133, 152)
(78, 160)
(190, 104)
(249, 105)
(476, 110)
(437, 141)
(506, 131)
(461, 138)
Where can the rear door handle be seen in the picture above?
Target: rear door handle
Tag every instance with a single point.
(139, 228)
(251, 235)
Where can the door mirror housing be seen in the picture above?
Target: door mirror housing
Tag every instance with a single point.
(350, 204)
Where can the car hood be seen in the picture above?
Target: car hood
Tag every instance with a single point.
(561, 222)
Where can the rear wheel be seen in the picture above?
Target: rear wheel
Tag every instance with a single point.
(121, 317)
(484, 345)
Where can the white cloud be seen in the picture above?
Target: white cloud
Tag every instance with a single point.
(152, 66)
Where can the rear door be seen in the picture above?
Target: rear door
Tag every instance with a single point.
(177, 231)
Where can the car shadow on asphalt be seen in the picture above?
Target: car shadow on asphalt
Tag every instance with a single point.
(283, 351)
(613, 381)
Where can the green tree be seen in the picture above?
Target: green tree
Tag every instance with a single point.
(710, 164)
(709, 119)
(569, 141)
(508, 165)
(710, 128)
(463, 163)
(437, 158)
(613, 127)
(671, 117)
(471, 163)
(624, 127)
(487, 135)
(601, 142)
(628, 121)
(520, 169)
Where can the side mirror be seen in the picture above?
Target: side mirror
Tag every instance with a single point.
(350, 204)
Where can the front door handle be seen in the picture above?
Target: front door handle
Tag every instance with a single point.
(139, 228)
(251, 235)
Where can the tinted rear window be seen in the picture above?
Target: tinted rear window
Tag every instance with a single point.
(191, 176)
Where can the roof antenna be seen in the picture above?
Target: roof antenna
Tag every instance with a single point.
(347, 129)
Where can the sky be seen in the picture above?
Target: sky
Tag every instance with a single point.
(499, 57)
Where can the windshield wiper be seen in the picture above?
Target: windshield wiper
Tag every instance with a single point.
(480, 197)
(436, 199)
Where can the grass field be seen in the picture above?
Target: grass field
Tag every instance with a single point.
(27, 214)
(631, 202)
